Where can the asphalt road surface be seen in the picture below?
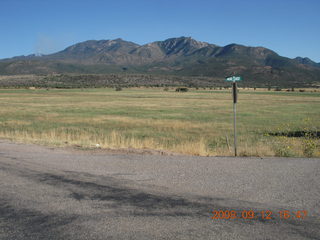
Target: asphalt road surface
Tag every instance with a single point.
(48, 193)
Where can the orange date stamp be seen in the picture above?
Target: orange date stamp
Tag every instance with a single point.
(265, 215)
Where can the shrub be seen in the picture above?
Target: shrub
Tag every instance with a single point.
(283, 151)
(118, 89)
(283, 148)
(182, 89)
(309, 145)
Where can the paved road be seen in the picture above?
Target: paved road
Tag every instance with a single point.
(66, 194)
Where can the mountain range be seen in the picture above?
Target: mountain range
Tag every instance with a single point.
(183, 56)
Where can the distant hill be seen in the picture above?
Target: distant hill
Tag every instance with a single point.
(181, 56)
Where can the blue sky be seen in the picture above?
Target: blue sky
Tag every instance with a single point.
(289, 27)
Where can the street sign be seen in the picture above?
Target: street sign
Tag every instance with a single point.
(234, 78)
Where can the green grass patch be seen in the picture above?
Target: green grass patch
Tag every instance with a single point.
(195, 122)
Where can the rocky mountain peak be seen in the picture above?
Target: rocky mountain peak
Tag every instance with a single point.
(182, 45)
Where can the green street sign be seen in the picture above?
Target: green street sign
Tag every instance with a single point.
(234, 78)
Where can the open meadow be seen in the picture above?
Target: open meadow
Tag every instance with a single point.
(198, 122)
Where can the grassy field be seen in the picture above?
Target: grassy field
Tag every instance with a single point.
(198, 122)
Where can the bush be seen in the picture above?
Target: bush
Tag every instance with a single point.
(309, 145)
(182, 89)
(283, 148)
(118, 89)
(166, 89)
(278, 89)
(283, 151)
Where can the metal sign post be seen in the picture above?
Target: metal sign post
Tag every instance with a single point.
(234, 80)
(234, 91)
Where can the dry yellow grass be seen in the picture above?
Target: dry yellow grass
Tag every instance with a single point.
(114, 140)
